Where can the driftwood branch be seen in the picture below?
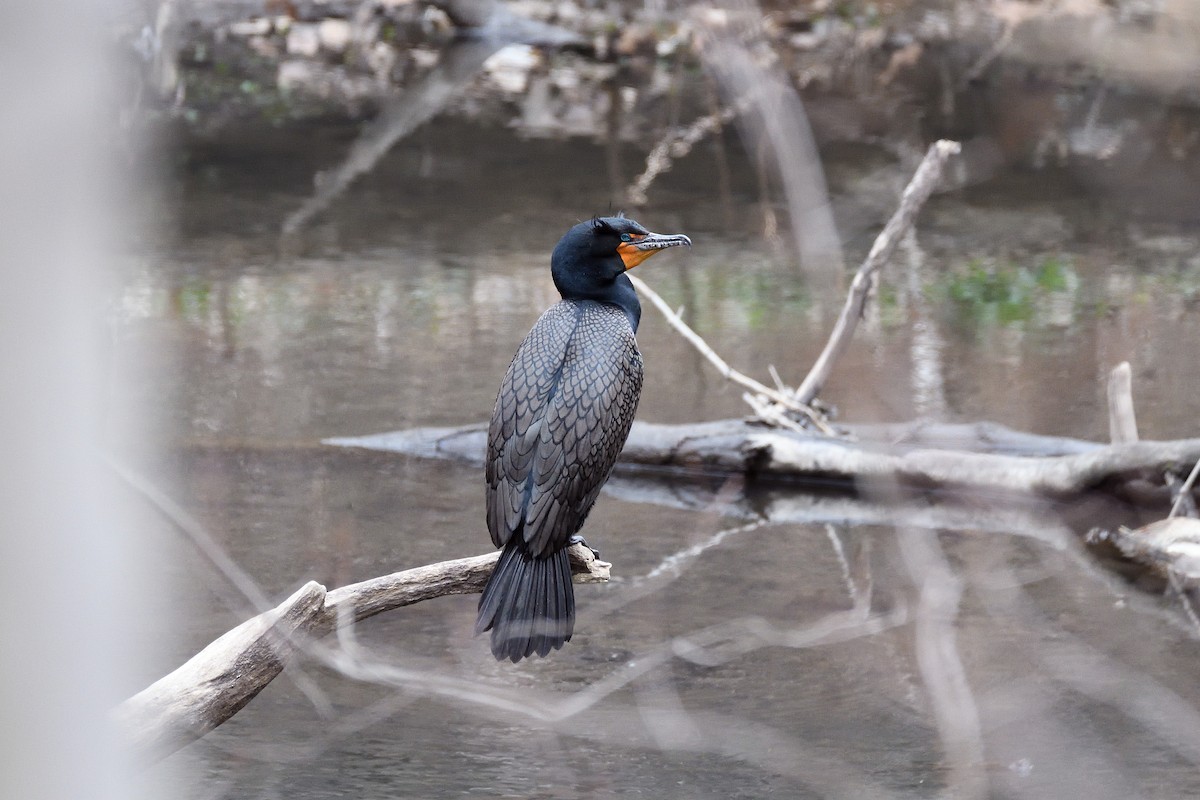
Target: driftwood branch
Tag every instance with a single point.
(222, 678)
(773, 405)
(915, 195)
(923, 456)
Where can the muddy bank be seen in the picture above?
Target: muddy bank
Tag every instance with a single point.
(1117, 94)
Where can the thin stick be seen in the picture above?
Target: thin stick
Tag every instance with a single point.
(676, 144)
(915, 195)
(779, 384)
(1185, 490)
(728, 372)
(1122, 424)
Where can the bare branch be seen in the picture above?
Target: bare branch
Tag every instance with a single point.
(677, 144)
(954, 708)
(218, 681)
(915, 195)
(728, 372)
(1170, 546)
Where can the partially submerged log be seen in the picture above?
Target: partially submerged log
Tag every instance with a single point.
(922, 456)
(222, 678)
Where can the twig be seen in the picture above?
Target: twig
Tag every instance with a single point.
(1122, 424)
(915, 195)
(676, 144)
(771, 413)
(209, 547)
(728, 372)
(1185, 491)
(779, 384)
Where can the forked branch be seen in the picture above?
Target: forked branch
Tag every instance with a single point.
(773, 405)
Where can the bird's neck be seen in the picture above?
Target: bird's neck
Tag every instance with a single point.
(624, 297)
(619, 292)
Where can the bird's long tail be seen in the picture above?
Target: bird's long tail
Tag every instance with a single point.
(528, 603)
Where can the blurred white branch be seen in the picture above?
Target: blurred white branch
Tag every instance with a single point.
(1185, 491)
(775, 127)
(942, 671)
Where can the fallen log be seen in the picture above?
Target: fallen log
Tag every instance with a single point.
(222, 678)
(983, 456)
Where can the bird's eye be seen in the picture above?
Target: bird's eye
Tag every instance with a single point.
(625, 237)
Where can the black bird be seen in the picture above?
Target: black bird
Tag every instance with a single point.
(562, 415)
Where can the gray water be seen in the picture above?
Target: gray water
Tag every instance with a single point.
(401, 305)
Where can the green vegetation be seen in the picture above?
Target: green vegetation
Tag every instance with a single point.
(1010, 294)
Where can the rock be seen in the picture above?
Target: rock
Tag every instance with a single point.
(293, 75)
(381, 58)
(510, 66)
(264, 46)
(250, 27)
(635, 39)
(424, 57)
(303, 40)
(335, 35)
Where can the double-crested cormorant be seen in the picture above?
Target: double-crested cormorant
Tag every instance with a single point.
(562, 415)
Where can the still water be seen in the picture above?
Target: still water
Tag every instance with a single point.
(741, 669)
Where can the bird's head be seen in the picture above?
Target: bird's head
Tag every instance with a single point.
(593, 255)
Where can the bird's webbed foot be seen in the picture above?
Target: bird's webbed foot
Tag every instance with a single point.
(578, 539)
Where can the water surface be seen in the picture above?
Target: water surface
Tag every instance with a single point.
(401, 306)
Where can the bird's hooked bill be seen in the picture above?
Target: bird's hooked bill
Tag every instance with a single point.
(639, 248)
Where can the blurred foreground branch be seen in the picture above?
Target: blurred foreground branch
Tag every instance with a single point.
(222, 678)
